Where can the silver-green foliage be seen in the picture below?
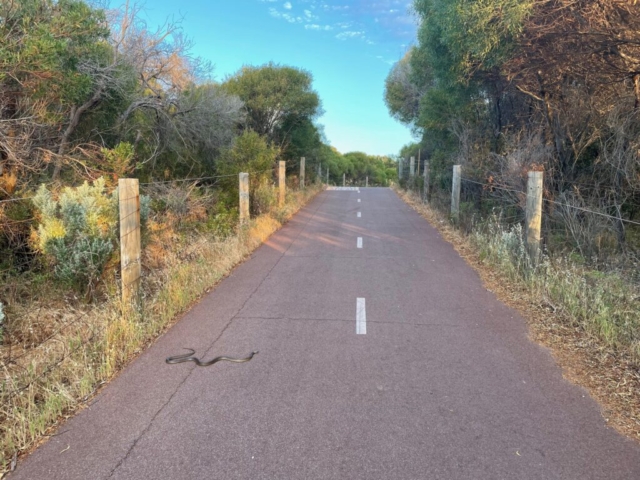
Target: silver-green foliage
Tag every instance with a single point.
(604, 304)
(77, 231)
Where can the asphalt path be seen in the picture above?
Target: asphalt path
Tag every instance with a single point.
(380, 358)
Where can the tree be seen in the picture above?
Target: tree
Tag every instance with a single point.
(278, 99)
(252, 154)
(187, 136)
(47, 55)
(177, 120)
(401, 94)
(504, 86)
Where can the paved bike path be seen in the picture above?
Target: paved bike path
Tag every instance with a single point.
(444, 384)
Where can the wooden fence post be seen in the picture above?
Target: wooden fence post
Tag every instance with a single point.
(534, 214)
(426, 181)
(400, 165)
(130, 268)
(244, 198)
(302, 166)
(344, 179)
(412, 166)
(455, 190)
(282, 182)
(327, 176)
(367, 183)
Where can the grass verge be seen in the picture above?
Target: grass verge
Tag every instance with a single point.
(589, 319)
(70, 349)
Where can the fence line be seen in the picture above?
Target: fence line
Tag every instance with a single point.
(490, 185)
(49, 338)
(52, 367)
(195, 179)
(620, 219)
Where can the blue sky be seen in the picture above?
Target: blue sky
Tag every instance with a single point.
(347, 45)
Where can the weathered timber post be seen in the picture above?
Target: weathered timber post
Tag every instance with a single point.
(455, 190)
(130, 268)
(302, 166)
(344, 179)
(282, 182)
(412, 166)
(426, 181)
(244, 198)
(534, 214)
(367, 183)
(327, 176)
(400, 165)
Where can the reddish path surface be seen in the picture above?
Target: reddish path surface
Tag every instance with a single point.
(444, 385)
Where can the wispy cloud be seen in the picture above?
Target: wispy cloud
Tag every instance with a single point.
(285, 16)
(349, 34)
(370, 21)
(314, 26)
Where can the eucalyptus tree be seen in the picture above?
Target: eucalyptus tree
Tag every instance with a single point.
(280, 102)
(402, 93)
(551, 84)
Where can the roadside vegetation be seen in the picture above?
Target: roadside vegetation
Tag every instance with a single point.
(89, 96)
(505, 87)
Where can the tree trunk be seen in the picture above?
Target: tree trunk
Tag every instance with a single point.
(74, 120)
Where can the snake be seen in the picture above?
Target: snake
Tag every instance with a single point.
(188, 357)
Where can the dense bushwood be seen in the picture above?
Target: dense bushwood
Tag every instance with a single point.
(506, 86)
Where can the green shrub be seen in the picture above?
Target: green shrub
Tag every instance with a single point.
(250, 153)
(265, 199)
(223, 224)
(83, 261)
(77, 232)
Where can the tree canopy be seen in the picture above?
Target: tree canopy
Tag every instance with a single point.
(553, 84)
(278, 100)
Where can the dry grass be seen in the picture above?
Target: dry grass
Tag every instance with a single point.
(62, 350)
(592, 350)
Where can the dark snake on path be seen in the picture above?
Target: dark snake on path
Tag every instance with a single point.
(188, 357)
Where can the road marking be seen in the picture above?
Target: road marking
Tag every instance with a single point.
(359, 242)
(358, 200)
(359, 214)
(361, 317)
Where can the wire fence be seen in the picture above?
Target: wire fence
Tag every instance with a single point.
(180, 214)
(569, 222)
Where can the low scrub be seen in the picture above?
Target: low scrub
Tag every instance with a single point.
(604, 304)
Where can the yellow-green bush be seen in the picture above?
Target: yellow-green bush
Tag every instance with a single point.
(77, 231)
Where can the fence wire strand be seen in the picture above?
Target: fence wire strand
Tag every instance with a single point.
(586, 210)
(620, 219)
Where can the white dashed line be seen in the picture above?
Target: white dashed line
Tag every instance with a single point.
(358, 200)
(359, 242)
(359, 214)
(361, 317)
